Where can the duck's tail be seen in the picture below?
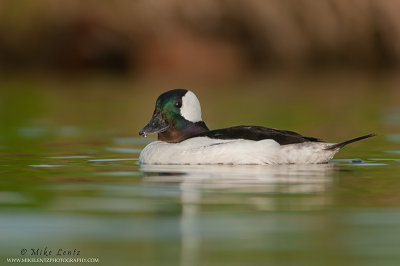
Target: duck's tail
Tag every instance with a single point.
(344, 143)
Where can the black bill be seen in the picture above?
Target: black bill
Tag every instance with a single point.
(156, 125)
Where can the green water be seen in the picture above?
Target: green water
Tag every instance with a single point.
(70, 179)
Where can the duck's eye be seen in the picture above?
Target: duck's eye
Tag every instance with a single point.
(178, 104)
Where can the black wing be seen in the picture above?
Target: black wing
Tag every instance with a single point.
(283, 137)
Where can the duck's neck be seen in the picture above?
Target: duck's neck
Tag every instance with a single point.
(177, 135)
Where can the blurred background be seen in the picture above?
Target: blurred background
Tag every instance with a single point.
(204, 40)
(79, 79)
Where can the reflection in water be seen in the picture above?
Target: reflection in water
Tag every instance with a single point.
(239, 178)
(123, 150)
(393, 137)
(196, 183)
(113, 160)
(69, 157)
(46, 165)
(191, 239)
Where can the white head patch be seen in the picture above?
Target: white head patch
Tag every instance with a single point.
(191, 109)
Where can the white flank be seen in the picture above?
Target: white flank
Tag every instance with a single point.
(203, 150)
(306, 153)
(191, 109)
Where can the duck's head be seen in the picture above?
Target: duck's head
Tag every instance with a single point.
(176, 117)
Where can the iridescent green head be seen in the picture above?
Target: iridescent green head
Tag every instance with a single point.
(177, 116)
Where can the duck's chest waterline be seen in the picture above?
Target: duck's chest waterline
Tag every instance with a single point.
(204, 150)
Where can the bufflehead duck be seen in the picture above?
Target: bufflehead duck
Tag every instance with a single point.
(183, 138)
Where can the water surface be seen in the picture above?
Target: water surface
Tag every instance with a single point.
(70, 179)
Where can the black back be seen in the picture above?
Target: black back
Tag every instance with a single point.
(283, 137)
